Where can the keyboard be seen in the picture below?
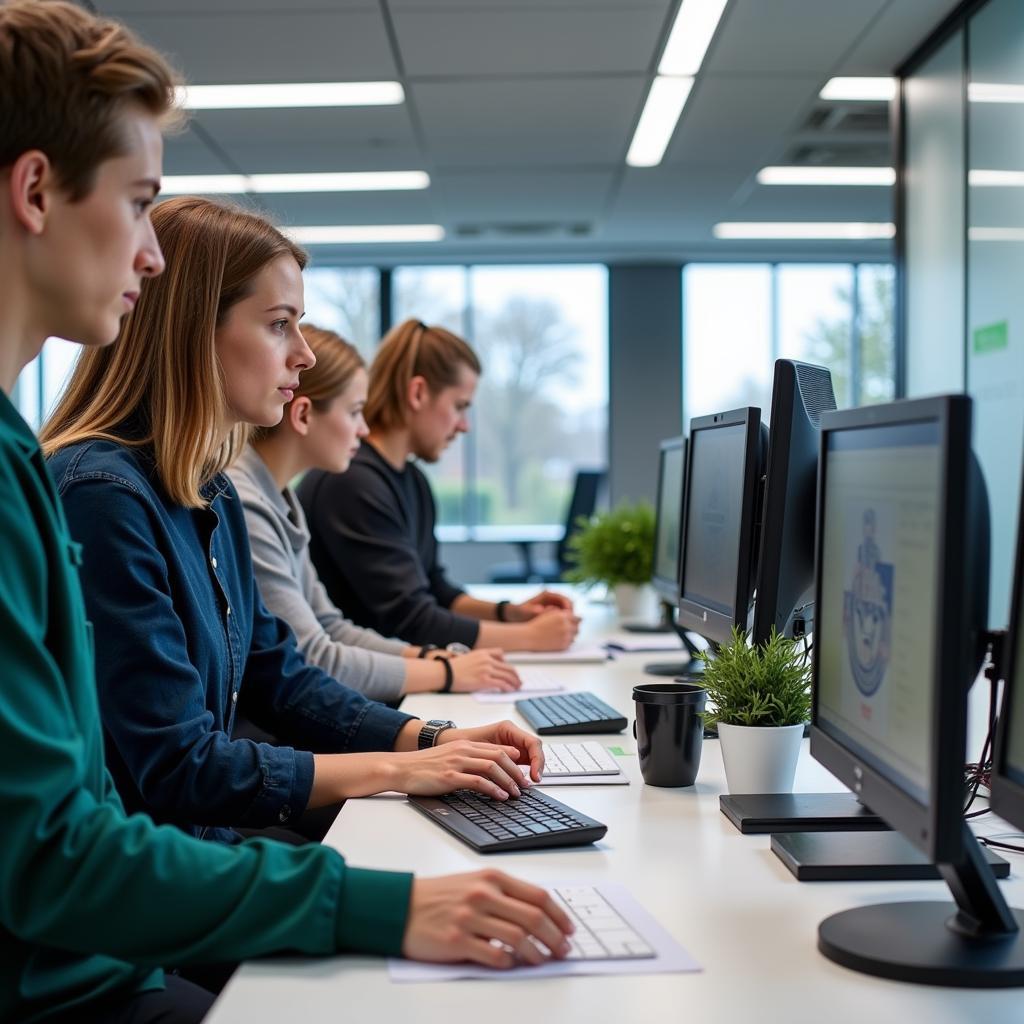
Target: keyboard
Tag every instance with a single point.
(529, 822)
(602, 933)
(570, 713)
(590, 758)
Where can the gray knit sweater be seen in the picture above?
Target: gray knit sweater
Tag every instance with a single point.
(359, 658)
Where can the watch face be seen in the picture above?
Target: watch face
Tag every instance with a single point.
(437, 722)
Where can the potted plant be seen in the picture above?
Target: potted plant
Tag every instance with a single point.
(616, 548)
(759, 699)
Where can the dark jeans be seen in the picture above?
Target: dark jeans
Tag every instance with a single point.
(181, 1002)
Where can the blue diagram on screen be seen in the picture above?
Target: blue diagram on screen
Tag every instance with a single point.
(867, 612)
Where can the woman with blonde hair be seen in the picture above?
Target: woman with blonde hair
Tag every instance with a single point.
(137, 446)
(372, 528)
(321, 428)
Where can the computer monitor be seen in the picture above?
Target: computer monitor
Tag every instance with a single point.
(785, 572)
(722, 500)
(901, 599)
(1007, 789)
(669, 511)
(667, 540)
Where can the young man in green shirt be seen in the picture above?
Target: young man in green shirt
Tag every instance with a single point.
(93, 901)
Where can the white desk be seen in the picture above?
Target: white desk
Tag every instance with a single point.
(724, 896)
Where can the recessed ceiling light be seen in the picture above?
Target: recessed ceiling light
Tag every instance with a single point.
(690, 37)
(290, 94)
(980, 178)
(654, 130)
(363, 234)
(995, 92)
(867, 89)
(346, 181)
(826, 176)
(996, 234)
(803, 230)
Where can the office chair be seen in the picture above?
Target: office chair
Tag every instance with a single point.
(585, 494)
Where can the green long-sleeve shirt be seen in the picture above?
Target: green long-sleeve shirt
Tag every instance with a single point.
(92, 900)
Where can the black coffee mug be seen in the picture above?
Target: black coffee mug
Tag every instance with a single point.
(669, 732)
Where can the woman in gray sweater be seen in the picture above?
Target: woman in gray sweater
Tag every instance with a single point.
(321, 429)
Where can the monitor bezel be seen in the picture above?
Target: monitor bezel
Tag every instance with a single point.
(1007, 794)
(668, 589)
(935, 827)
(782, 519)
(710, 623)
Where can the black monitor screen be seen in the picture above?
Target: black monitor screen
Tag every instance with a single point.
(1013, 757)
(670, 499)
(715, 508)
(876, 623)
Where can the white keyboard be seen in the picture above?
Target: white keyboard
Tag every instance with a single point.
(602, 933)
(589, 758)
(538, 680)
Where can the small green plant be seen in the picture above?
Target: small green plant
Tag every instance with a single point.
(753, 685)
(614, 547)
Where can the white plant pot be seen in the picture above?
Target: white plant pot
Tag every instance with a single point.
(760, 759)
(636, 602)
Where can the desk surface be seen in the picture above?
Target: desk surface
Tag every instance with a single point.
(723, 896)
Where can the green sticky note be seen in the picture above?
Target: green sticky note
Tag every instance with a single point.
(992, 338)
(618, 751)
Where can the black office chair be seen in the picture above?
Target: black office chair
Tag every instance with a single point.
(585, 494)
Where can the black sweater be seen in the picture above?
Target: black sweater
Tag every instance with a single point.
(372, 542)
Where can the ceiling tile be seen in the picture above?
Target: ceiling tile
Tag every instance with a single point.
(788, 36)
(284, 46)
(526, 122)
(549, 40)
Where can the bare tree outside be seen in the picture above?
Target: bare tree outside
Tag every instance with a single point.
(830, 342)
(346, 300)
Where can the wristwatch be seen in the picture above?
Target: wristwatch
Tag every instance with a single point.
(430, 731)
(456, 648)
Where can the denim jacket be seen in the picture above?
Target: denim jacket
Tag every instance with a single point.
(182, 638)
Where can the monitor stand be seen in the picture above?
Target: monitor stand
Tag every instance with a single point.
(760, 813)
(972, 943)
(692, 668)
(861, 857)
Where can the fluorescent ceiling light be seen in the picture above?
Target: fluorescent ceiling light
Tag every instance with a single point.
(664, 104)
(996, 234)
(357, 181)
(826, 176)
(995, 92)
(289, 94)
(880, 89)
(979, 178)
(362, 234)
(690, 37)
(803, 230)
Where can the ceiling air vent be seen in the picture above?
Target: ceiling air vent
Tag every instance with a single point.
(524, 230)
(848, 118)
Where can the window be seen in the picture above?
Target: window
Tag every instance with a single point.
(738, 318)
(541, 408)
(42, 381)
(343, 299)
(346, 300)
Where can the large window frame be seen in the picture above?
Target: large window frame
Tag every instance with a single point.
(775, 346)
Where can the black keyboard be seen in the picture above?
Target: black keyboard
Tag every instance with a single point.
(570, 713)
(528, 822)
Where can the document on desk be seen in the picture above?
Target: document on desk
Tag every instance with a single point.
(669, 958)
(536, 683)
(573, 656)
(639, 643)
